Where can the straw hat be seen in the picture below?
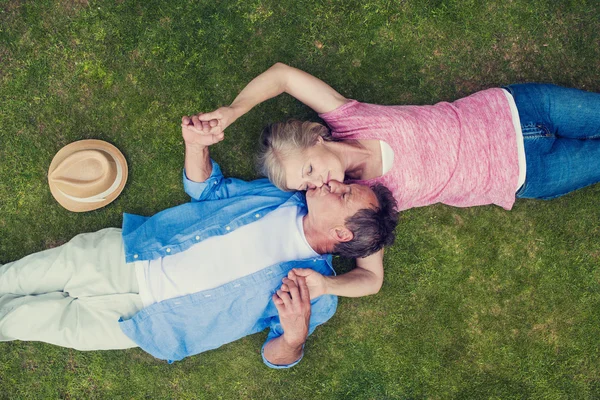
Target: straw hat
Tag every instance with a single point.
(87, 174)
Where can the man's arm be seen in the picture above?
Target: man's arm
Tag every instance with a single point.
(293, 305)
(198, 166)
(363, 280)
(203, 179)
(278, 79)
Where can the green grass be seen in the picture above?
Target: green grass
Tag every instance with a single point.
(477, 303)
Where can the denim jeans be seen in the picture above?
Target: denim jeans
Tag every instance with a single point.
(561, 131)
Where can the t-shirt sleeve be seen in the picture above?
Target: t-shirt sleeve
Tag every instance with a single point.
(322, 309)
(347, 119)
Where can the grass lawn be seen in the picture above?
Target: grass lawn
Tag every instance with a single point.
(477, 303)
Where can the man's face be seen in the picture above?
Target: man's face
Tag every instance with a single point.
(330, 205)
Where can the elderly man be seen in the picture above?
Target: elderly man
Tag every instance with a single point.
(199, 275)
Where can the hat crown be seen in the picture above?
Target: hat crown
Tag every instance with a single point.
(85, 173)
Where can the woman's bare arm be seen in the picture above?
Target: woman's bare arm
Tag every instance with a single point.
(280, 78)
(363, 280)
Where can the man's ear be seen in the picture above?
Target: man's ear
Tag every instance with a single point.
(341, 234)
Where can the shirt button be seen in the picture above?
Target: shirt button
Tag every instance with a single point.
(135, 256)
(228, 228)
(197, 237)
(257, 215)
(215, 182)
(168, 250)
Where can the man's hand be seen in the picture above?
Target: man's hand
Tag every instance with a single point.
(197, 133)
(316, 283)
(293, 304)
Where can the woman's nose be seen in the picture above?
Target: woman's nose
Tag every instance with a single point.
(318, 182)
(311, 185)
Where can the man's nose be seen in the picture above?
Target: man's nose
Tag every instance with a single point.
(335, 185)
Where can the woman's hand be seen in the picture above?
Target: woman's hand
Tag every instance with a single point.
(198, 133)
(219, 119)
(363, 280)
(316, 283)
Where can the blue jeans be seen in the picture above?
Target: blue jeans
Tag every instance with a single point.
(561, 131)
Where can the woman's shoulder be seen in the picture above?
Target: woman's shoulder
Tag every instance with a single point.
(348, 107)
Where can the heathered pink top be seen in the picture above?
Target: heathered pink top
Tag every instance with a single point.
(461, 154)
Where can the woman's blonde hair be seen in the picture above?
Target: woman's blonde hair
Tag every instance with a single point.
(281, 139)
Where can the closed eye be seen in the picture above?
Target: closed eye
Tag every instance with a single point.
(346, 193)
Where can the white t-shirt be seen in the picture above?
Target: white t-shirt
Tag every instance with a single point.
(276, 238)
(514, 112)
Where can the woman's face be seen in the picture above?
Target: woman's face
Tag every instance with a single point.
(313, 167)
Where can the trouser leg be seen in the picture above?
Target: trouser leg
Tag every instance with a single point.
(72, 296)
(561, 131)
(563, 112)
(558, 166)
(85, 323)
(89, 264)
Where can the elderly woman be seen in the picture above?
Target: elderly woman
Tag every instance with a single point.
(522, 141)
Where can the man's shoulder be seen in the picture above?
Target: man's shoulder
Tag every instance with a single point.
(264, 187)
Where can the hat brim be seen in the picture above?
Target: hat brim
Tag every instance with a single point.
(87, 144)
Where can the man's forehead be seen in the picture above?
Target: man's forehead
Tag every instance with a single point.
(366, 196)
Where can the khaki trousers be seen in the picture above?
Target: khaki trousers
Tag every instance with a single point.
(72, 295)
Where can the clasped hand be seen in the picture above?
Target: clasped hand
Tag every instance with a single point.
(206, 129)
(292, 301)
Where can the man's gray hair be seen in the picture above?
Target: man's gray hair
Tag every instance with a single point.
(373, 228)
(281, 139)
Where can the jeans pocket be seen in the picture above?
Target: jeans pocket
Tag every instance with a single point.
(535, 130)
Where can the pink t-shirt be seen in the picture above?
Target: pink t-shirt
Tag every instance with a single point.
(461, 154)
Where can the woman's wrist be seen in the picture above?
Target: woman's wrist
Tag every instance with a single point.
(237, 110)
(328, 283)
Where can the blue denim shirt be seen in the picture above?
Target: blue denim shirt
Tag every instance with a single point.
(188, 325)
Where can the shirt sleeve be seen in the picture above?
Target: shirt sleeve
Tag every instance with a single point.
(217, 187)
(273, 334)
(322, 309)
